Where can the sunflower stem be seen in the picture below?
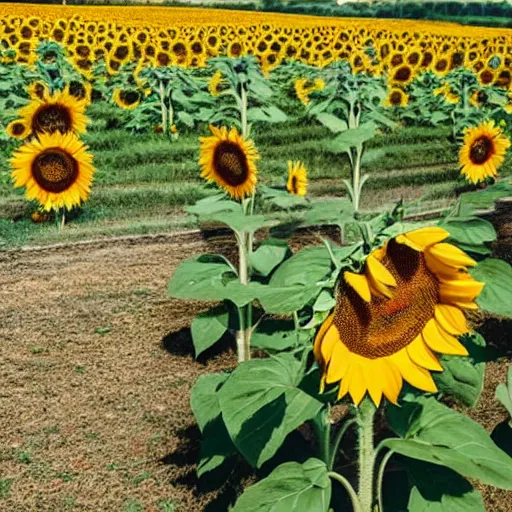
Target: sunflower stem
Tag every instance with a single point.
(380, 478)
(163, 107)
(356, 505)
(366, 414)
(243, 335)
(63, 218)
(243, 110)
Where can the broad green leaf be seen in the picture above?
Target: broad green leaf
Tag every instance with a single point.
(335, 124)
(324, 302)
(261, 404)
(305, 267)
(214, 204)
(288, 201)
(332, 211)
(208, 327)
(291, 487)
(352, 138)
(496, 297)
(469, 230)
(282, 300)
(275, 335)
(275, 114)
(484, 199)
(269, 255)
(186, 118)
(434, 433)
(439, 489)
(240, 223)
(502, 436)
(216, 445)
(463, 376)
(504, 392)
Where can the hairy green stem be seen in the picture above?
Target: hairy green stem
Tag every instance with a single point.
(380, 478)
(366, 414)
(356, 505)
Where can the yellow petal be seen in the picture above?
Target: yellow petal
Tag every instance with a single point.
(412, 373)
(319, 338)
(390, 378)
(451, 319)
(360, 285)
(440, 341)
(422, 355)
(357, 386)
(372, 374)
(339, 363)
(459, 290)
(451, 255)
(424, 237)
(379, 271)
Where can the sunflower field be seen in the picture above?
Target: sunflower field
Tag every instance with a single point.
(353, 165)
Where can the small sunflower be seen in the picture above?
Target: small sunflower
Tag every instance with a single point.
(59, 112)
(402, 75)
(229, 160)
(82, 91)
(389, 321)
(446, 92)
(126, 99)
(396, 98)
(214, 83)
(297, 183)
(38, 90)
(55, 169)
(479, 98)
(18, 129)
(483, 151)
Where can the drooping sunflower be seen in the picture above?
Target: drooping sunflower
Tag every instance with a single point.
(18, 129)
(483, 151)
(56, 112)
(297, 183)
(55, 169)
(389, 321)
(128, 99)
(396, 98)
(229, 160)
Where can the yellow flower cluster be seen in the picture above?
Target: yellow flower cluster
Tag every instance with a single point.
(188, 37)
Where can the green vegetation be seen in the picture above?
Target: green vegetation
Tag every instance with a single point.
(144, 181)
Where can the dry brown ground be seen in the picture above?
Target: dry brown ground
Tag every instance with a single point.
(94, 397)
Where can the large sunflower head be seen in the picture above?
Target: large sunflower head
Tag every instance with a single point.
(18, 129)
(59, 112)
(127, 99)
(229, 160)
(297, 183)
(483, 151)
(390, 320)
(55, 169)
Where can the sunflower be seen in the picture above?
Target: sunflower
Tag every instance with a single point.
(18, 129)
(486, 76)
(479, 98)
(214, 83)
(446, 92)
(82, 91)
(297, 178)
(483, 151)
(402, 75)
(38, 90)
(56, 170)
(389, 320)
(127, 99)
(228, 159)
(57, 112)
(396, 98)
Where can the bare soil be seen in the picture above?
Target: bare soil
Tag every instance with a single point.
(96, 368)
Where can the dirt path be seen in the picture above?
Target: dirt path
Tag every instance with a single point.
(94, 401)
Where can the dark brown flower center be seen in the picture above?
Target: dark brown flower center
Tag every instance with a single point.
(129, 97)
(77, 90)
(54, 170)
(294, 186)
(481, 150)
(395, 98)
(121, 52)
(231, 163)
(486, 77)
(52, 118)
(403, 74)
(385, 326)
(18, 129)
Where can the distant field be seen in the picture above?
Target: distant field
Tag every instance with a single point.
(143, 181)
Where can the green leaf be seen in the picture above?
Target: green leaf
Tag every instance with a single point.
(214, 204)
(469, 230)
(291, 487)
(495, 297)
(207, 328)
(332, 211)
(216, 446)
(484, 199)
(463, 376)
(261, 404)
(352, 138)
(186, 118)
(274, 334)
(269, 255)
(324, 302)
(504, 392)
(335, 124)
(439, 489)
(239, 222)
(305, 267)
(435, 433)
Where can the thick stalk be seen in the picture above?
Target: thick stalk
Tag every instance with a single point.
(170, 113)
(163, 107)
(243, 335)
(366, 414)
(243, 110)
